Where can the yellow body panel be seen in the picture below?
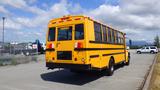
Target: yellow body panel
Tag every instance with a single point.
(84, 56)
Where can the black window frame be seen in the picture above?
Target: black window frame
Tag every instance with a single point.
(75, 36)
(97, 32)
(52, 33)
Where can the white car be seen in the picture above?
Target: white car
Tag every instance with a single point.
(147, 49)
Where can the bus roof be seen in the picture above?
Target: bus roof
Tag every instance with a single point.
(77, 17)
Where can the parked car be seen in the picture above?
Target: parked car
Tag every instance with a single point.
(147, 49)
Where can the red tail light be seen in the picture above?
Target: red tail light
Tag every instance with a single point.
(51, 45)
(78, 45)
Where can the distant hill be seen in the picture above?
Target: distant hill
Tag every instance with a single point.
(138, 43)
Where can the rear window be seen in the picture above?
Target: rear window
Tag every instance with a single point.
(79, 31)
(51, 34)
(65, 33)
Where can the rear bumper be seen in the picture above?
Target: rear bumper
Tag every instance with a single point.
(68, 66)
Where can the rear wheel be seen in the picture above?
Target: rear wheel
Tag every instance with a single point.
(152, 52)
(138, 52)
(128, 62)
(110, 69)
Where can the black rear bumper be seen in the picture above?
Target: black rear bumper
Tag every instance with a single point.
(68, 66)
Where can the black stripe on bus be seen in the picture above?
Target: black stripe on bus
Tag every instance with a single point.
(94, 56)
(50, 49)
(86, 49)
(112, 54)
(102, 42)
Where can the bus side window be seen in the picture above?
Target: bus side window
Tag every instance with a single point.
(97, 31)
(51, 34)
(109, 35)
(79, 31)
(119, 38)
(116, 33)
(122, 38)
(113, 36)
(104, 33)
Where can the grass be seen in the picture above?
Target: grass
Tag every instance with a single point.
(15, 60)
(155, 79)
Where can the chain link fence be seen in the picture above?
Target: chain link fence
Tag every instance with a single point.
(17, 53)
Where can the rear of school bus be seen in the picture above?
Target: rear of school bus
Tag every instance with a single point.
(64, 37)
(71, 43)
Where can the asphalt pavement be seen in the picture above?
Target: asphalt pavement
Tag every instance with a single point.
(35, 76)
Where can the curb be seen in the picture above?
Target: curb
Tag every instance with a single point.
(148, 75)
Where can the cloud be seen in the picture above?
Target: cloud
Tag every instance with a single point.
(36, 26)
(43, 17)
(31, 1)
(3, 10)
(114, 15)
(141, 7)
(14, 3)
(10, 24)
(22, 4)
(135, 18)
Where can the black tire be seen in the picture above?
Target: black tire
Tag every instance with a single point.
(152, 52)
(110, 69)
(127, 63)
(138, 52)
(27, 53)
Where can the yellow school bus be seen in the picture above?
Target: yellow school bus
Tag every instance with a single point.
(81, 43)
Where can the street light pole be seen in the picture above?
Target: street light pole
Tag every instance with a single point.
(3, 30)
(3, 18)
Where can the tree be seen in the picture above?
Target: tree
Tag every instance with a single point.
(156, 41)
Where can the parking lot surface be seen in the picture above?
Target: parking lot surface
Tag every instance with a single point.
(35, 76)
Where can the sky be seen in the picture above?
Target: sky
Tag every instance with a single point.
(26, 20)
